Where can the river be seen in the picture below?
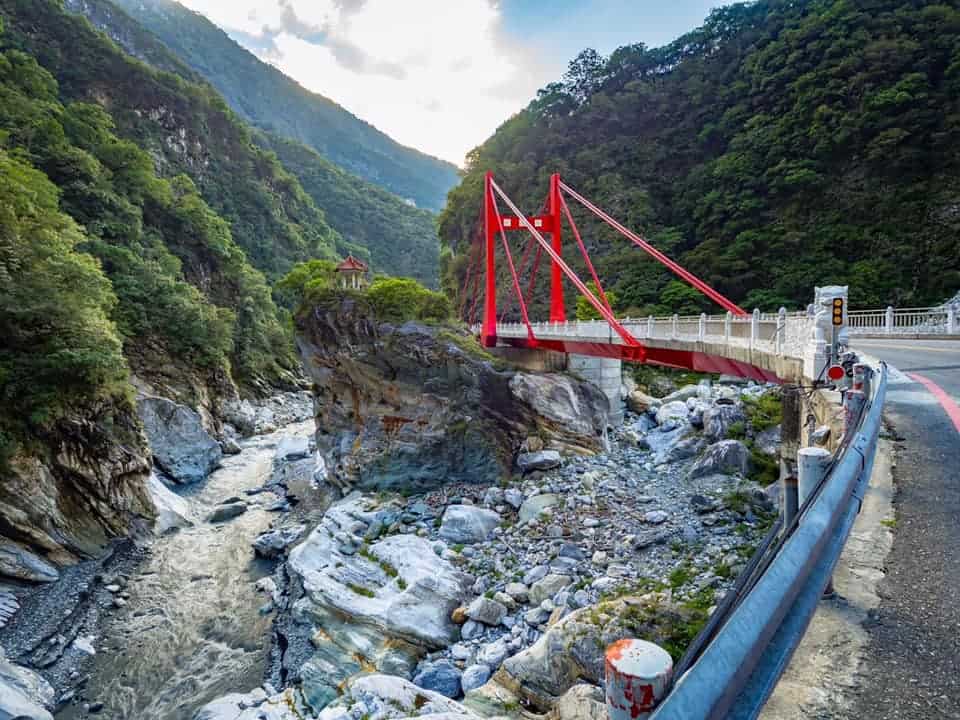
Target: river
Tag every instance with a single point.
(192, 628)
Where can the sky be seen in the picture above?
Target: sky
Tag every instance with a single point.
(441, 75)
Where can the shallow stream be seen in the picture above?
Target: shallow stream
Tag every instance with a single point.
(192, 629)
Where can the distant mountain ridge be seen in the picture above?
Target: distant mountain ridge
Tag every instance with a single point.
(269, 99)
(400, 239)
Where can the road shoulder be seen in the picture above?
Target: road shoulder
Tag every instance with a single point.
(823, 670)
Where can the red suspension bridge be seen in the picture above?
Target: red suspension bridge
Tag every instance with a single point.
(615, 338)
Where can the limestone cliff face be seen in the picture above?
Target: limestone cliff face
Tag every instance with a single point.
(81, 485)
(416, 406)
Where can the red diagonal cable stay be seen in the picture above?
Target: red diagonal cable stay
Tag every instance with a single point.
(591, 298)
(649, 249)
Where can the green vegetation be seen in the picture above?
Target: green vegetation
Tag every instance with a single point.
(360, 590)
(401, 299)
(274, 102)
(780, 146)
(387, 567)
(60, 347)
(737, 431)
(586, 311)
(184, 128)
(766, 469)
(179, 278)
(394, 236)
(681, 575)
(763, 412)
(889, 523)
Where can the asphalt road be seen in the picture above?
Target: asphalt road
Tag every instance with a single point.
(912, 664)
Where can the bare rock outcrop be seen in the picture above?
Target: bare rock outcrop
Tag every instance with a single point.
(414, 406)
(82, 484)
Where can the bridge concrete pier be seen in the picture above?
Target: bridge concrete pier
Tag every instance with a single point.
(605, 373)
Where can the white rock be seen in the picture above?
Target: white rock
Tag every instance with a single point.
(675, 411)
(468, 524)
(173, 512)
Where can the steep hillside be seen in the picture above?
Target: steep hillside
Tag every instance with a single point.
(186, 128)
(268, 98)
(402, 240)
(782, 145)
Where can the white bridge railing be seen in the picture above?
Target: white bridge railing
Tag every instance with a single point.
(904, 321)
(783, 333)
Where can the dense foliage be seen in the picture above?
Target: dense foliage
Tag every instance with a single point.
(274, 102)
(401, 299)
(179, 281)
(59, 346)
(186, 127)
(395, 237)
(782, 145)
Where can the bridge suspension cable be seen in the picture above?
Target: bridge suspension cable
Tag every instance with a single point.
(659, 256)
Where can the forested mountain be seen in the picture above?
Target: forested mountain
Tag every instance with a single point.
(101, 252)
(269, 99)
(782, 145)
(401, 239)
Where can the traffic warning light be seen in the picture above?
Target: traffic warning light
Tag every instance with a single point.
(838, 311)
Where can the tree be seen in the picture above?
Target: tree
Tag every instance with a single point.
(586, 311)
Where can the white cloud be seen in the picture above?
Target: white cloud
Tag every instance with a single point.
(439, 75)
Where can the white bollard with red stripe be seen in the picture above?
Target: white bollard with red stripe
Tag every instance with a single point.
(637, 677)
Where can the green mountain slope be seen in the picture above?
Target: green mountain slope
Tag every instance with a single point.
(186, 128)
(782, 145)
(269, 99)
(402, 240)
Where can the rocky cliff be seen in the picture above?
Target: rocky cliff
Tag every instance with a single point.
(414, 406)
(83, 484)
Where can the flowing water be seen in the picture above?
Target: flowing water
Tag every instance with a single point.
(192, 630)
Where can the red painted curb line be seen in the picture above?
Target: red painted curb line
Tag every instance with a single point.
(953, 411)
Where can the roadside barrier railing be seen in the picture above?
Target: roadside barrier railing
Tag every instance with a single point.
(734, 665)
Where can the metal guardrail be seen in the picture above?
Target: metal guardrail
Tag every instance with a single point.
(904, 321)
(742, 662)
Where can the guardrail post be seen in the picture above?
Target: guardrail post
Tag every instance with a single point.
(853, 403)
(790, 498)
(727, 326)
(755, 327)
(675, 326)
(781, 330)
(637, 677)
(888, 321)
(812, 463)
(650, 322)
(951, 319)
(702, 329)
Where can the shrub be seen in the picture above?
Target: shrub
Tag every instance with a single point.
(402, 299)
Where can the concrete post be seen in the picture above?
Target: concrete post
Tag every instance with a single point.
(702, 329)
(888, 321)
(727, 326)
(637, 677)
(755, 327)
(675, 326)
(812, 465)
(951, 319)
(781, 330)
